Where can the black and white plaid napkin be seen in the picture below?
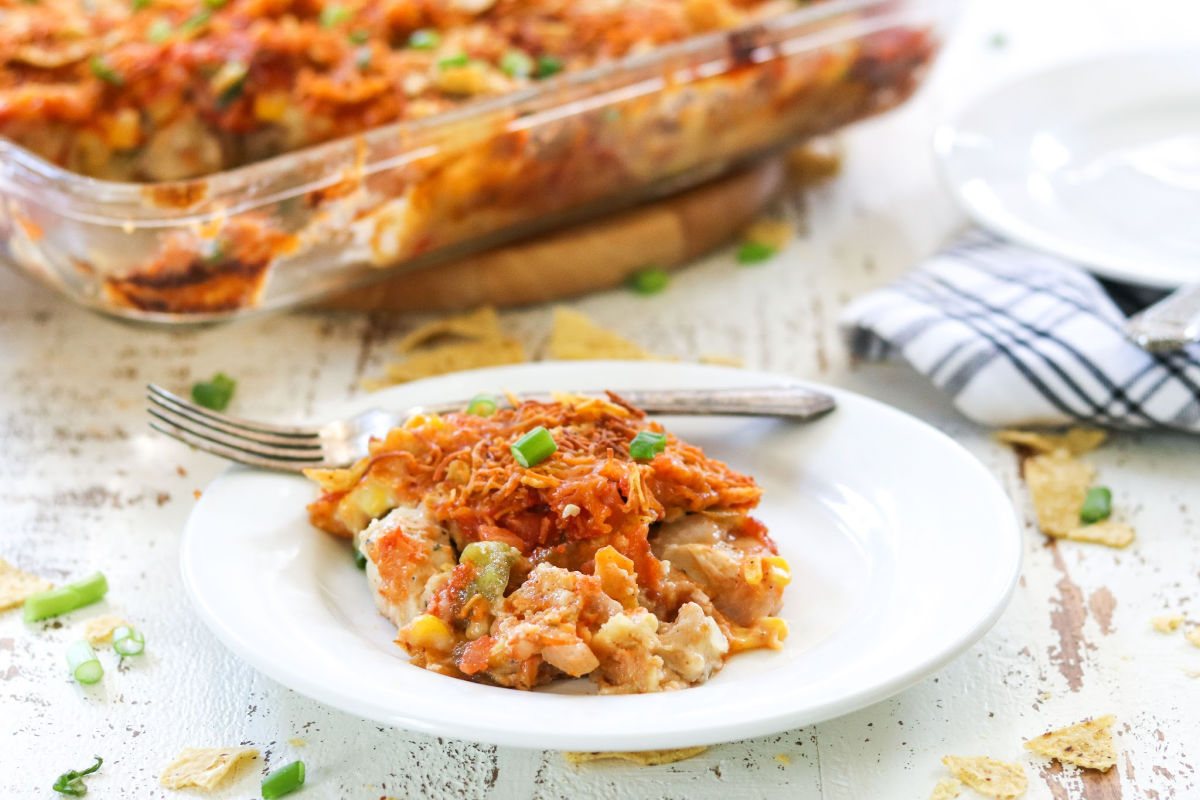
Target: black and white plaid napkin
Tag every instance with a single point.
(1018, 337)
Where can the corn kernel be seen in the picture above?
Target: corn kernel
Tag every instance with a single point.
(778, 570)
(429, 632)
(776, 630)
(374, 501)
(752, 570)
(270, 106)
(123, 130)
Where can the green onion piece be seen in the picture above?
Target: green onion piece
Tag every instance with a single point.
(215, 4)
(193, 24)
(449, 62)
(547, 66)
(516, 64)
(138, 5)
(65, 598)
(216, 393)
(651, 280)
(647, 444)
(534, 447)
(424, 39)
(229, 82)
(81, 658)
(482, 405)
(104, 72)
(71, 783)
(358, 37)
(360, 559)
(754, 252)
(333, 15)
(128, 642)
(284, 780)
(159, 31)
(1097, 505)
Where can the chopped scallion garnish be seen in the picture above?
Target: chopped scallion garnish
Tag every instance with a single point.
(128, 642)
(358, 37)
(138, 5)
(159, 31)
(516, 64)
(81, 658)
(71, 783)
(457, 60)
(534, 447)
(482, 405)
(651, 280)
(215, 4)
(647, 444)
(360, 559)
(216, 393)
(424, 39)
(547, 66)
(754, 252)
(65, 598)
(284, 780)
(1097, 505)
(193, 24)
(333, 15)
(104, 72)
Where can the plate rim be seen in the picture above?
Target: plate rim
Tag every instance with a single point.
(335, 697)
(1011, 226)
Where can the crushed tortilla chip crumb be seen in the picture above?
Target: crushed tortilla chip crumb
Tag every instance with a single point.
(1088, 744)
(1167, 623)
(99, 630)
(1107, 532)
(203, 767)
(574, 336)
(297, 742)
(946, 789)
(482, 323)
(988, 776)
(645, 758)
(1058, 485)
(456, 357)
(1193, 636)
(720, 360)
(16, 585)
(1191, 673)
(815, 161)
(782, 758)
(774, 233)
(1076, 441)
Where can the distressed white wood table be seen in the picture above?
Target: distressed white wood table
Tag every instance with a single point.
(85, 485)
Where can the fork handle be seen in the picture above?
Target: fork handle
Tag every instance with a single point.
(1169, 324)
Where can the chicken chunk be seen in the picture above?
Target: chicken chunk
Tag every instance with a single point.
(406, 551)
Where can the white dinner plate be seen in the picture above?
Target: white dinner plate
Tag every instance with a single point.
(1097, 161)
(904, 550)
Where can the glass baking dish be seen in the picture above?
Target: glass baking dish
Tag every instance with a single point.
(306, 224)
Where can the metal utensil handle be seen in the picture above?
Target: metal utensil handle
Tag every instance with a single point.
(1169, 324)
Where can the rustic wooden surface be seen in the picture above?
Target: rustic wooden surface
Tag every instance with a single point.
(85, 485)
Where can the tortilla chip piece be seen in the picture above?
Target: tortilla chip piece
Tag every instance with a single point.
(99, 630)
(988, 776)
(721, 360)
(644, 758)
(1193, 636)
(203, 767)
(482, 323)
(1075, 441)
(946, 789)
(1107, 532)
(16, 585)
(1058, 485)
(576, 337)
(457, 357)
(1088, 744)
(774, 233)
(1167, 623)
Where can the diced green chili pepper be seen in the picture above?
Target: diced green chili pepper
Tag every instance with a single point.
(71, 783)
(493, 562)
(754, 252)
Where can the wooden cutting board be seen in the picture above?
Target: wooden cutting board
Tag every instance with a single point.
(586, 257)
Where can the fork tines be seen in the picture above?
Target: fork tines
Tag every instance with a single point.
(249, 442)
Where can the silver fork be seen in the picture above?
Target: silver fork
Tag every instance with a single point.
(292, 448)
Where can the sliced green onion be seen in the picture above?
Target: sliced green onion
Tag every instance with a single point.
(128, 641)
(424, 39)
(229, 82)
(458, 60)
(71, 783)
(284, 780)
(138, 5)
(358, 37)
(193, 24)
(754, 252)
(215, 4)
(216, 393)
(81, 658)
(333, 15)
(516, 64)
(482, 405)
(65, 598)
(1097, 505)
(360, 559)
(647, 444)
(534, 447)
(651, 280)
(159, 31)
(104, 72)
(547, 66)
